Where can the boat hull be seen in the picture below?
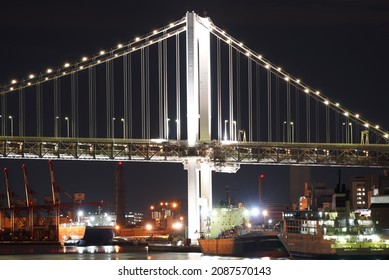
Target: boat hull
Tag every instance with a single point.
(255, 246)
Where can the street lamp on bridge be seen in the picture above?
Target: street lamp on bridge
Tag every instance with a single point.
(124, 127)
(225, 130)
(67, 125)
(12, 125)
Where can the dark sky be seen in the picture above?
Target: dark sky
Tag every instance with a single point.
(337, 46)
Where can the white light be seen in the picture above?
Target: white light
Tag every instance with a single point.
(155, 31)
(133, 48)
(11, 88)
(377, 126)
(13, 82)
(247, 54)
(228, 41)
(267, 66)
(84, 58)
(286, 78)
(63, 73)
(366, 125)
(98, 61)
(386, 136)
(137, 39)
(102, 52)
(31, 76)
(148, 227)
(81, 67)
(29, 84)
(357, 116)
(298, 81)
(116, 55)
(120, 46)
(46, 78)
(306, 90)
(255, 212)
(49, 70)
(172, 24)
(346, 114)
(240, 44)
(279, 69)
(67, 65)
(326, 102)
(317, 92)
(260, 56)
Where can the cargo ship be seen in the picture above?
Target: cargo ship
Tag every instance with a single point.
(332, 235)
(81, 235)
(250, 245)
(230, 234)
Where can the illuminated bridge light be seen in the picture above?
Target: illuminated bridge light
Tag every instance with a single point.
(279, 69)
(102, 52)
(120, 46)
(306, 90)
(366, 125)
(317, 92)
(31, 76)
(298, 81)
(346, 114)
(14, 82)
(326, 102)
(67, 65)
(377, 126)
(337, 104)
(49, 70)
(84, 58)
(137, 39)
(357, 116)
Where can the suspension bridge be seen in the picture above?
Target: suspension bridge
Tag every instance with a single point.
(187, 92)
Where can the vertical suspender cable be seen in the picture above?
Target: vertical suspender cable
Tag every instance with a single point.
(328, 124)
(219, 90)
(147, 91)
(308, 117)
(297, 116)
(22, 110)
(143, 93)
(336, 126)
(178, 88)
(57, 108)
(238, 98)
(289, 125)
(4, 114)
(74, 97)
(269, 112)
(125, 95)
(317, 121)
(250, 98)
(39, 110)
(160, 90)
(258, 100)
(231, 91)
(277, 107)
(165, 89)
(92, 101)
(107, 100)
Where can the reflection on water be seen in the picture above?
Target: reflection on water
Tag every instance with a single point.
(48, 252)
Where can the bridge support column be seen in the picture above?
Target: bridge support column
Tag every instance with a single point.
(191, 165)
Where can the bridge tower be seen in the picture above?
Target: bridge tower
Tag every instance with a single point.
(198, 120)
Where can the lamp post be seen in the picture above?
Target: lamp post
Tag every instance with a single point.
(292, 130)
(234, 130)
(343, 127)
(67, 126)
(283, 132)
(12, 125)
(124, 127)
(225, 130)
(178, 129)
(351, 132)
(113, 127)
(167, 129)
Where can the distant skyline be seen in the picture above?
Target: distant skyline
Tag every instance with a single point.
(338, 46)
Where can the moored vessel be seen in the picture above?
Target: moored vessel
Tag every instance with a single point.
(332, 235)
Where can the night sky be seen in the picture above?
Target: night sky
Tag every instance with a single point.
(338, 46)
